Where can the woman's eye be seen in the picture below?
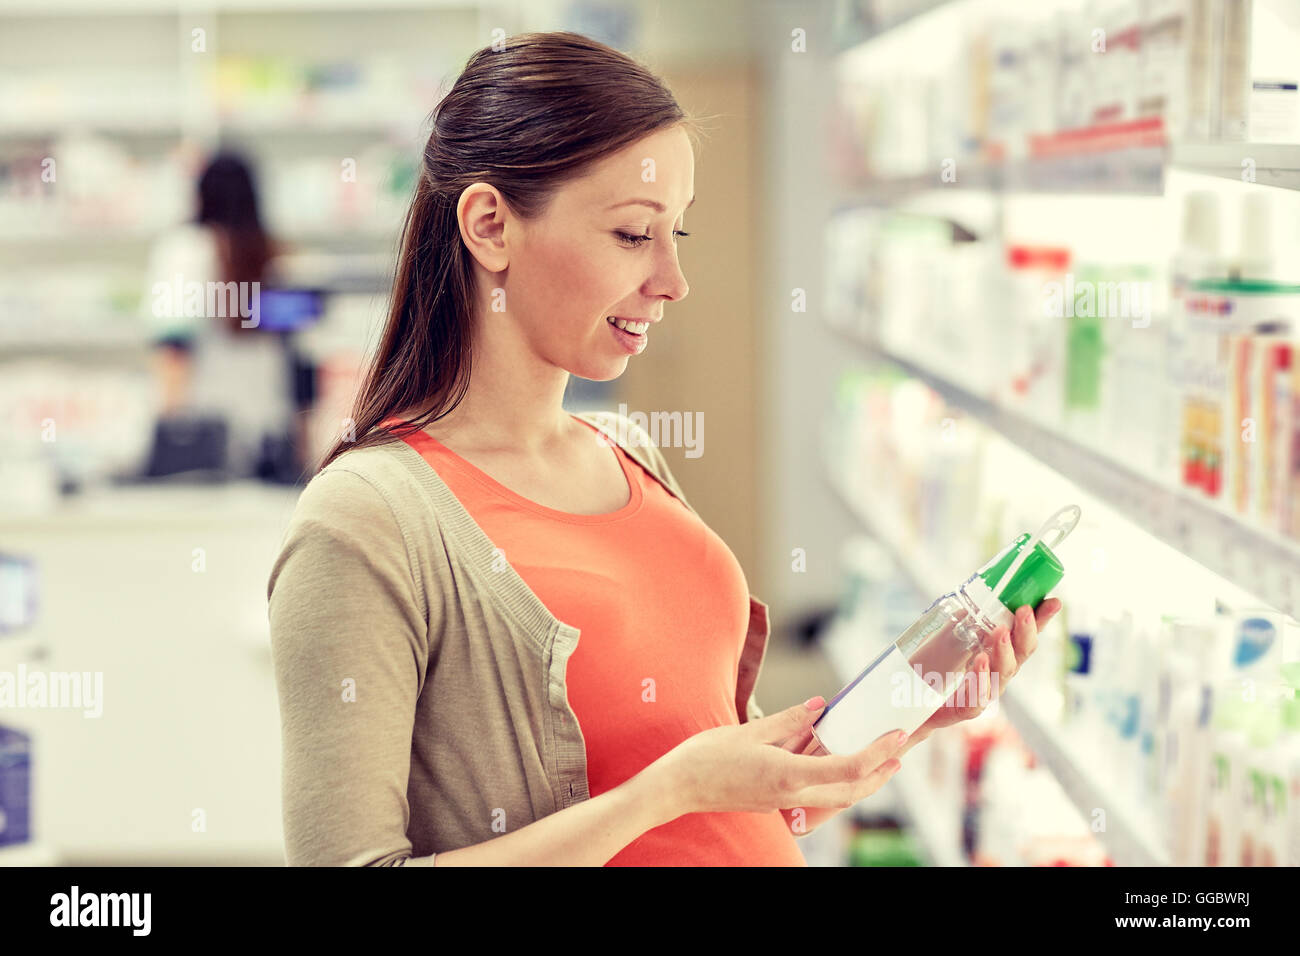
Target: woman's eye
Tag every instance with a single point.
(637, 240)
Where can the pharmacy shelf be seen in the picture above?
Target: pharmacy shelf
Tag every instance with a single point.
(1259, 561)
(69, 8)
(942, 844)
(1137, 170)
(1270, 164)
(1132, 831)
(368, 229)
(1130, 834)
(49, 128)
(112, 337)
(358, 123)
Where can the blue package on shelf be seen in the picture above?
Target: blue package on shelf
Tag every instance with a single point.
(15, 787)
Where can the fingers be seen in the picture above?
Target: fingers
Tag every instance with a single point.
(838, 768)
(793, 721)
(1046, 611)
(801, 742)
(859, 774)
(1024, 637)
(1003, 658)
(976, 688)
(847, 792)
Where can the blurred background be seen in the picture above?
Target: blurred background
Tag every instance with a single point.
(953, 266)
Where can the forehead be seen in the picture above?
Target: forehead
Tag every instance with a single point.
(659, 168)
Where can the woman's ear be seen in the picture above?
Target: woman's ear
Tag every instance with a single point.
(483, 217)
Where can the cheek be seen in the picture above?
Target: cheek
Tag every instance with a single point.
(580, 278)
(560, 268)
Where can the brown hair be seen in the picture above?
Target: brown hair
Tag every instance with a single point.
(527, 118)
(228, 204)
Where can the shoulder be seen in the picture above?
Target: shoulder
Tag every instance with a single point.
(365, 489)
(359, 517)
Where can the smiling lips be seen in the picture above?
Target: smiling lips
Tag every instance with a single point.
(628, 325)
(631, 335)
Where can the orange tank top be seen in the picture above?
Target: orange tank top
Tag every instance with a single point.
(662, 605)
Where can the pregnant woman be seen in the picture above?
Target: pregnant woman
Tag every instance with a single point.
(501, 635)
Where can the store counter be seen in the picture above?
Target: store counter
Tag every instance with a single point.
(161, 588)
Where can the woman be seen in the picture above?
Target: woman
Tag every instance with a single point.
(220, 363)
(437, 705)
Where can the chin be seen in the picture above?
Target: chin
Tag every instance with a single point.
(603, 373)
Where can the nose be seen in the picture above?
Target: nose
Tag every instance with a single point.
(669, 280)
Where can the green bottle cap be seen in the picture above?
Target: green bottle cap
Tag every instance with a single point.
(1039, 573)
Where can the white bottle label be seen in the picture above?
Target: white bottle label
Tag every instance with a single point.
(891, 695)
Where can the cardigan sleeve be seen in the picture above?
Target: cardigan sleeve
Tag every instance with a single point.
(349, 641)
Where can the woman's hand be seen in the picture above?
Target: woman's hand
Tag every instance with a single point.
(988, 678)
(748, 767)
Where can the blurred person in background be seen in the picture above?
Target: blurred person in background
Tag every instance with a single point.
(220, 366)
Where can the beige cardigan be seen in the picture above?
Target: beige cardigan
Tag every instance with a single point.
(422, 691)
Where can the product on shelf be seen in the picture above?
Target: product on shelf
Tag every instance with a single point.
(1234, 70)
(883, 846)
(15, 787)
(1275, 72)
(1199, 70)
(1178, 67)
(916, 675)
(1031, 369)
(1175, 693)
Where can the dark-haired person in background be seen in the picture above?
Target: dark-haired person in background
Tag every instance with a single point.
(219, 365)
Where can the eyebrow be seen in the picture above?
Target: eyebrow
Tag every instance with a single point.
(656, 206)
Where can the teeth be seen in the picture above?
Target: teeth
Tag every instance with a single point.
(626, 326)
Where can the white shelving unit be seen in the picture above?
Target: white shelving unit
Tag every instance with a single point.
(1132, 170)
(1130, 831)
(1255, 559)
(379, 124)
(1270, 164)
(1132, 158)
(942, 843)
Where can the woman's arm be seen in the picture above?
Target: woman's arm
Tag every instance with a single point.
(589, 833)
(350, 651)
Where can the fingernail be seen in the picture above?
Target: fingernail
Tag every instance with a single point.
(901, 736)
(1006, 638)
(813, 703)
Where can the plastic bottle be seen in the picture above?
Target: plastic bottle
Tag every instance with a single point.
(915, 675)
